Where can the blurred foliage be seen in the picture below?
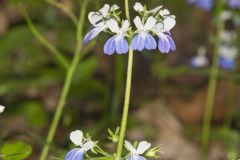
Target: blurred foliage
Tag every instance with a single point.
(15, 150)
(30, 76)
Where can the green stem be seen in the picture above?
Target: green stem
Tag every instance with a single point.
(126, 104)
(127, 94)
(212, 83)
(67, 84)
(61, 60)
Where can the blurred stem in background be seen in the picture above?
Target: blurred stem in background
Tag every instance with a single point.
(118, 85)
(213, 80)
(127, 94)
(61, 60)
(231, 98)
(67, 83)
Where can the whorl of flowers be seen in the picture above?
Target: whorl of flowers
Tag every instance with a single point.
(149, 25)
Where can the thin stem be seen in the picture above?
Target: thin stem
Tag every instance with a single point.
(61, 60)
(126, 104)
(67, 84)
(212, 83)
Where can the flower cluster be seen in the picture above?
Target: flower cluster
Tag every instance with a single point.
(85, 144)
(208, 4)
(150, 23)
(2, 108)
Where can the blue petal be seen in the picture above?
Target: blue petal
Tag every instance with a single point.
(134, 42)
(171, 42)
(121, 45)
(135, 158)
(150, 42)
(125, 46)
(138, 42)
(74, 154)
(163, 44)
(225, 63)
(92, 34)
(110, 46)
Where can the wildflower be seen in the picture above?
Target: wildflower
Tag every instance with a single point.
(118, 42)
(98, 20)
(200, 60)
(136, 153)
(143, 39)
(227, 58)
(85, 144)
(234, 3)
(2, 108)
(203, 4)
(162, 30)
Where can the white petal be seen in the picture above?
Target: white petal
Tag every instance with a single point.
(138, 23)
(155, 10)
(125, 26)
(114, 7)
(104, 11)
(164, 12)
(113, 25)
(87, 146)
(76, 137)
(143, 146)
(94, 17)
(158, 28)
(150, 23)
(138, 7)
(130, 147)
(169, 23)
(1, 108)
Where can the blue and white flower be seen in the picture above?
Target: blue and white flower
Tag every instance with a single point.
(227, 57)
(2, 108)
(83, 144)
(135, 154)
(98, 20)
(200, 60)
(234, 3)
(162, 30)
(118, 42)
(203, 4)
(143, 39)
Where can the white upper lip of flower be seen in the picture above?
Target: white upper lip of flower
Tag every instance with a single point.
(77, 138)
(113, 26)
(165, 26)
(95, 17)
(150, 23)
(228, 52)
(1, 108)
(142, 147)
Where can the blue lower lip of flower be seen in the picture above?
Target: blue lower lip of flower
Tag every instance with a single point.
(140, 42)
(203, 4)
(166, 43)
(75, 154)
(234, 3)
(118, 44)
(136, 158)
(227, 64)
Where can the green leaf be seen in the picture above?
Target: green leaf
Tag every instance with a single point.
(15, 151)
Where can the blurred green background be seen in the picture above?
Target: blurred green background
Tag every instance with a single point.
(168, 97)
